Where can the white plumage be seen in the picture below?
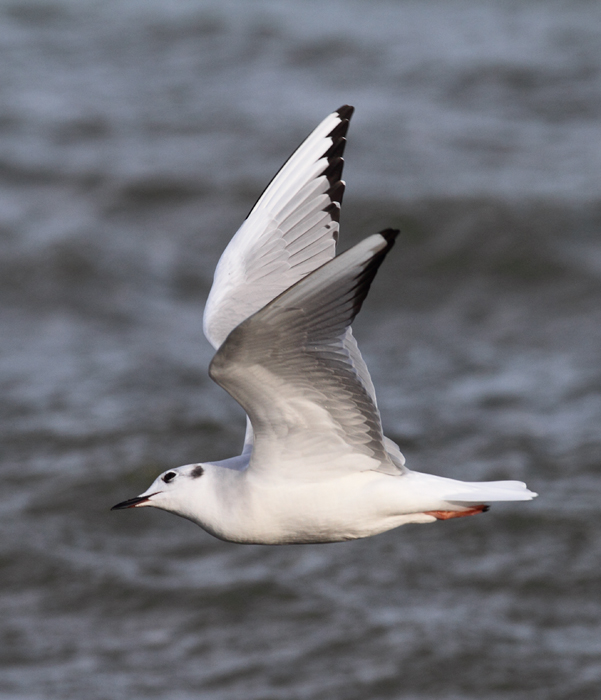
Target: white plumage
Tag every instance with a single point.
(315, 466)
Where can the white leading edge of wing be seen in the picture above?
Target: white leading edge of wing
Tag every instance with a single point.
(291, 231)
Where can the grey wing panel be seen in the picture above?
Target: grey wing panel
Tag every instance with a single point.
(359, 363)
(394, 453)
(296, 350)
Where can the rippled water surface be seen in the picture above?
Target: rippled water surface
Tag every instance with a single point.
(134, 137)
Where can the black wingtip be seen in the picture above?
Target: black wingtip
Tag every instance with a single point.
(337, 148)
(336, 191)
(339, 131)
(333, 209)
(333, 170)
(345, 112)
(390, 235)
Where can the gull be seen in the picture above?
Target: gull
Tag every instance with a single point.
(316, 466)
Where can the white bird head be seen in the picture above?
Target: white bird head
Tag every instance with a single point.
(169, 491)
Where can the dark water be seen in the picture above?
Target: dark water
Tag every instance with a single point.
(134, 136)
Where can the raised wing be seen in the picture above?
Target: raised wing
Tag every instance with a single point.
(289, 367)
(291, 231)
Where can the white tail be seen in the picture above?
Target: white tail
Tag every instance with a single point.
(489, 491)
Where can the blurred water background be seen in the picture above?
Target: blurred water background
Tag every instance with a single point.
(134, 137)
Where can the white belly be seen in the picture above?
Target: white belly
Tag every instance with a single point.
(359, 505)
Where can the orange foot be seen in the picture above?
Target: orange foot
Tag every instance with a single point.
(448, 514)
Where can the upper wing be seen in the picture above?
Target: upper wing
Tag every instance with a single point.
(291, 231)
(290, 368)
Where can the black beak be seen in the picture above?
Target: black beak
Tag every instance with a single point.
(132, 502)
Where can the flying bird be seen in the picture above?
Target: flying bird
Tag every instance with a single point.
(316, 466)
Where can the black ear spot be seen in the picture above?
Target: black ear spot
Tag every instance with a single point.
(169, 476)
(197, 471)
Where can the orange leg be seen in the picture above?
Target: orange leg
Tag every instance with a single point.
(448, 514)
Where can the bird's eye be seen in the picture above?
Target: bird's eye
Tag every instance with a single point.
(169, 476)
